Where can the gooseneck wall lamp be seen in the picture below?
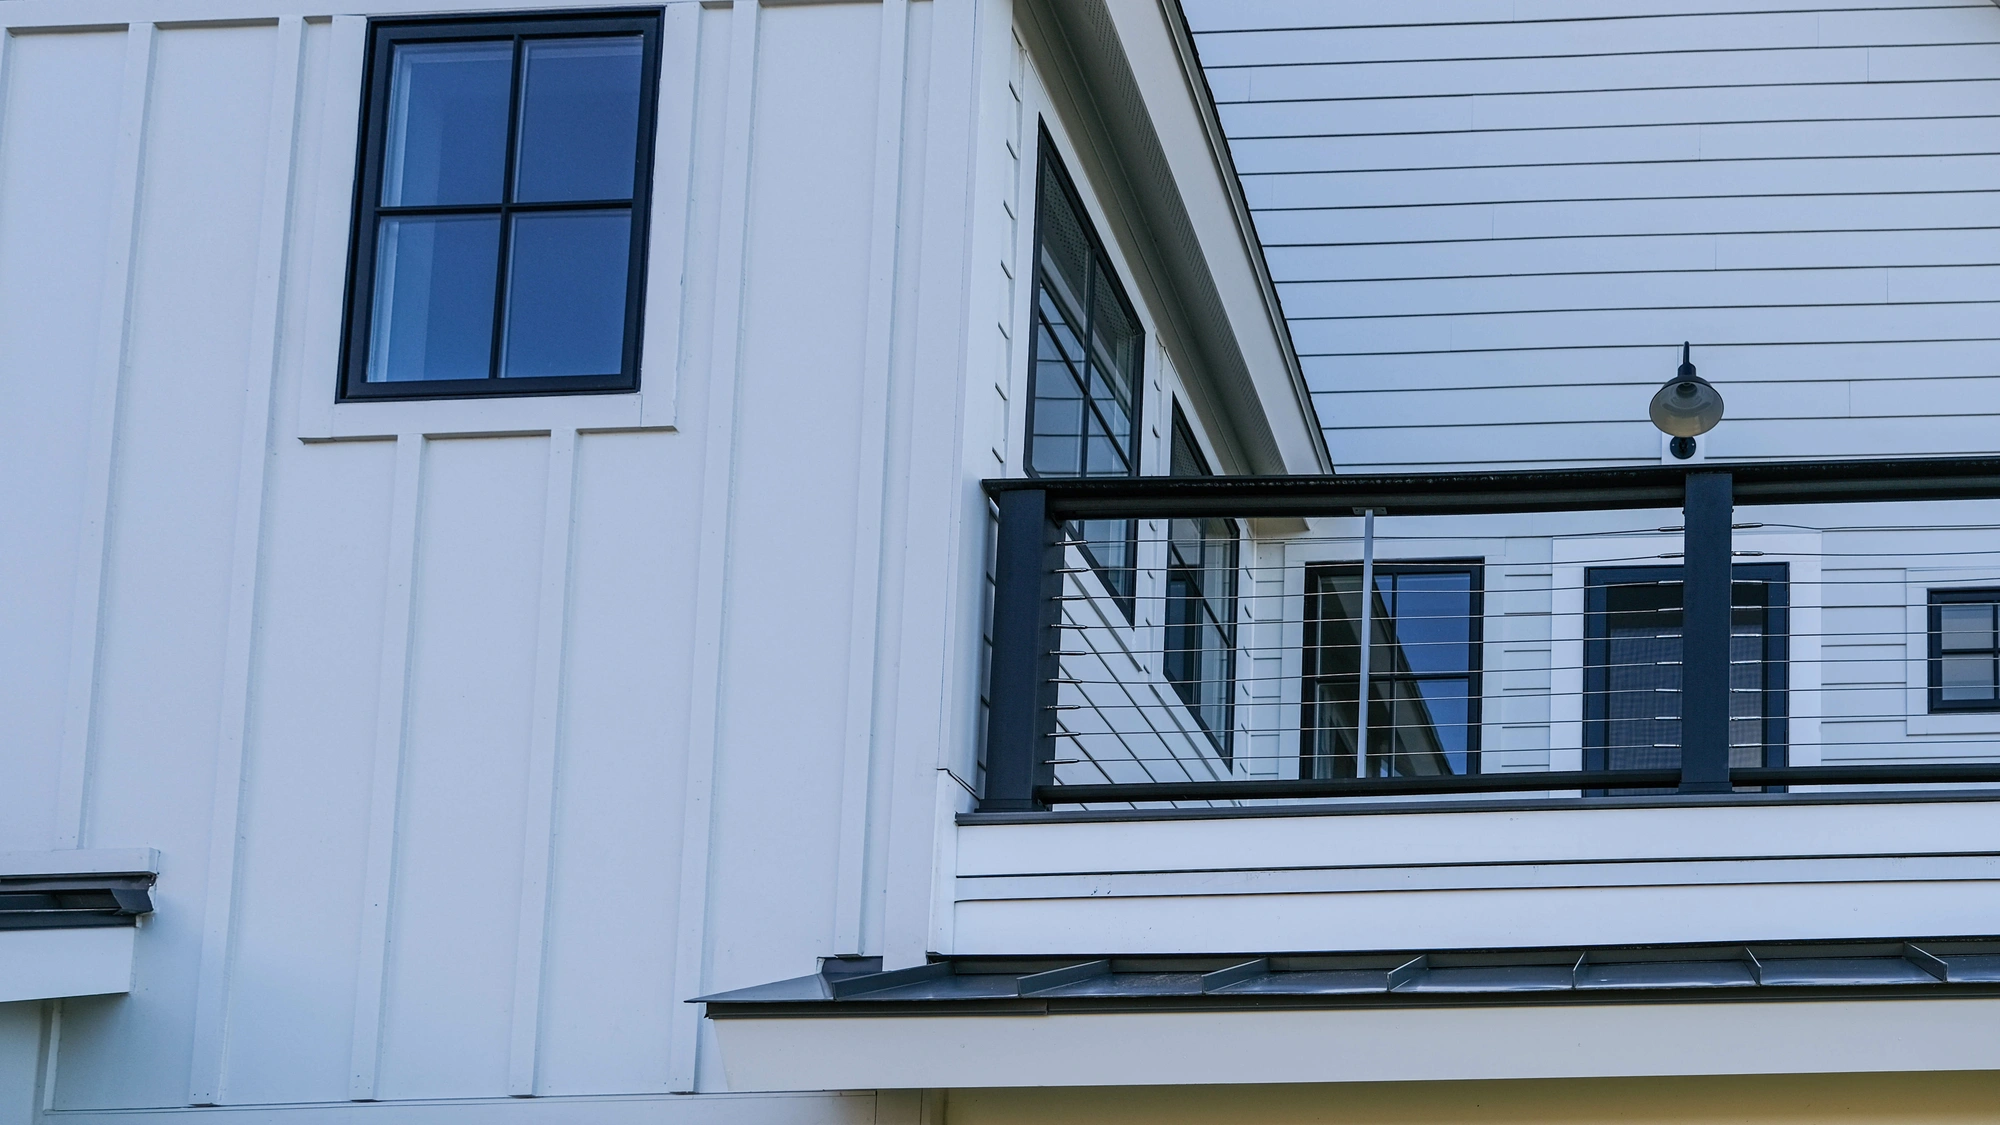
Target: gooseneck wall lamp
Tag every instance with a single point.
(1685, 407)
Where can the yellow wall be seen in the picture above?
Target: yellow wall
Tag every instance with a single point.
(1933, 1099)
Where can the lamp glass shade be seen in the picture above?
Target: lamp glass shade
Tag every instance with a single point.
(1686, 406)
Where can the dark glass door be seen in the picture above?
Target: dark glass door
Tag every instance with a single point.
(1632, 668)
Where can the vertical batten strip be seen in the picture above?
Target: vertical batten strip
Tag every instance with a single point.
(392, 689)
(711, 576)
(339, 99)
(673, 200)
(544, 748)
(866, 593)
(205, 1074)
(114, 309)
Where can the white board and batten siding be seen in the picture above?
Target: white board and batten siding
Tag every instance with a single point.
(473, 736)
(1490, 224)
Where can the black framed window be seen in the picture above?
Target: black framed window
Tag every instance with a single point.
(1965, 650)
(500, 213)
(1632, 667)
(1423, 669)
(1086, 353)
(1200, 656)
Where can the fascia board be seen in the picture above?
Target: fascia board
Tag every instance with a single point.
(1376, 1045)
(1161, 52)
(55, 963)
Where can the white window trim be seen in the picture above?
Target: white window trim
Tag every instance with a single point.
(1573, 556)
(325, 262)
(1918, 582)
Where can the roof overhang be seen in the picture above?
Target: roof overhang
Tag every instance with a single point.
(1551, 1013)
(69, 921)
(1155, 135)
(1156, 1048)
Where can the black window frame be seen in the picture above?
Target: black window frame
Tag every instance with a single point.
(1772, 597)
(1220, 608)
(377, 74)
(1121, 582)
(1312, 675)
(1935, 601)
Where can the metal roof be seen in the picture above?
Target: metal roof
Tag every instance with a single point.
(857, 986)
(64, 900)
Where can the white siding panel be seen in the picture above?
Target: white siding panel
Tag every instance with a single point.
(1738, 30)
(609, 993)
(306, 788)
(1476, 75)
(57, 149)
(173, 513)
(1638, 366)
(1552, 194)
(453, 917)
(1254, 14)
(1687, 289)
(788, 602)
(1639, 180)
(1329, 225)
(1601, 108)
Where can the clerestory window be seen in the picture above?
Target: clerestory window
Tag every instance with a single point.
(500, 219)
(1084, 369)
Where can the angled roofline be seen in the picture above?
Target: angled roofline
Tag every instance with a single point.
(1246, 222)
(1127, 80)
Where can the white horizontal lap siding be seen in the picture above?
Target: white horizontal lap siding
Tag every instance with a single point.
(1489, 227)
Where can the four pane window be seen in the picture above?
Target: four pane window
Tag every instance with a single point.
(1423, 671)
(1965, 650)
(500, 227)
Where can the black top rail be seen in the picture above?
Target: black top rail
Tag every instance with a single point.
(1532, 490)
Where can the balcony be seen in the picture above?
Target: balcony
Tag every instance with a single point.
(1795, 631)
(1677, 704)
(1648, 757)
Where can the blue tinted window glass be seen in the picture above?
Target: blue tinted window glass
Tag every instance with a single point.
(1433, 614)
(566, 278)
(447, 128)
(579, 119)
(433, 304)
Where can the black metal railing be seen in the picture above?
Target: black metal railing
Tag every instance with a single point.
(1339, 698)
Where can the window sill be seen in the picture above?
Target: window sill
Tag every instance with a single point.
(335, 421)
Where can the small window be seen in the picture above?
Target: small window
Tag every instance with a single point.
(1084, 369)
(1200, 657)
(500, 217)
(1423, 670)
(1965, 650)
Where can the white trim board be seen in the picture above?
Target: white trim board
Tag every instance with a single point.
(1361, 1045)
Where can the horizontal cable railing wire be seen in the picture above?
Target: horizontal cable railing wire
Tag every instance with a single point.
(1515, 637)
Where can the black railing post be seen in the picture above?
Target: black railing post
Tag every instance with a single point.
(1705, 614)
(1020, 692)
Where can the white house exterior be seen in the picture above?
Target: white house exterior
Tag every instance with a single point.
(389, 741)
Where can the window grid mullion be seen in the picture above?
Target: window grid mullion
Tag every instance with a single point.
(506, 209)
(1089, 381)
